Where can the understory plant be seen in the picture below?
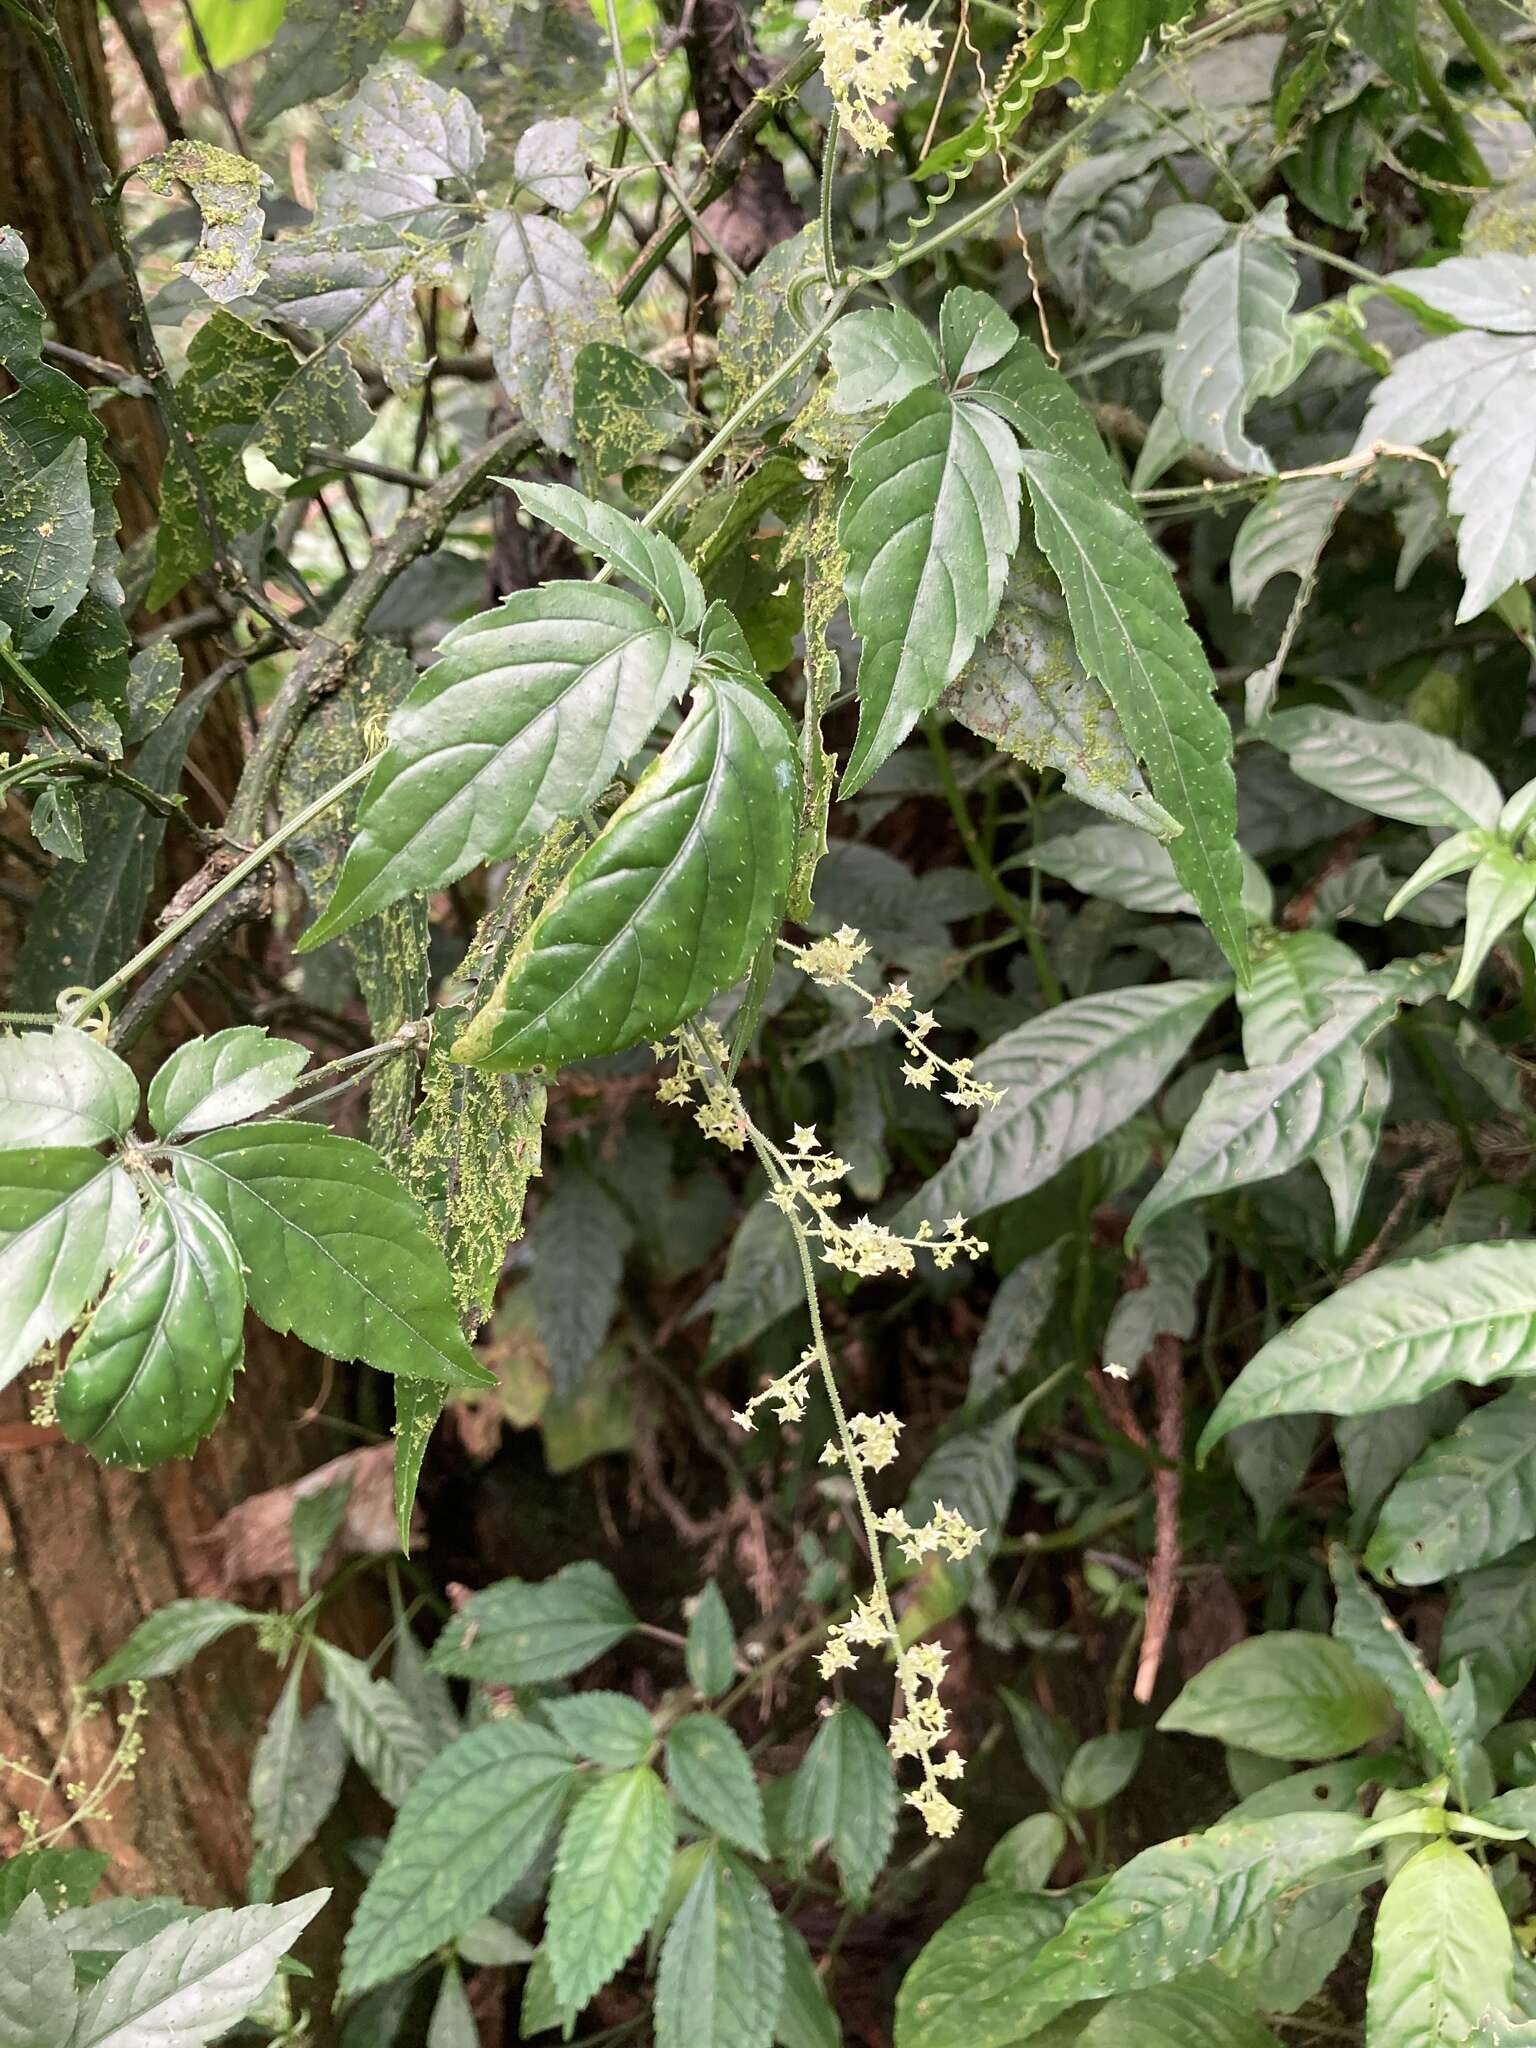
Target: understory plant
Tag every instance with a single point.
(873, 936)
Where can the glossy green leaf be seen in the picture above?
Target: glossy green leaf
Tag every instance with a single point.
(1441, 1954)
(469, 1828)
(66, 1218)
(1132, 635)
(711, 1648)
(38, 2000)
(334, 1249)
(296, 1772)
(1286, 1693)
(610, 1872)
(1284, 535)
(1175, 1905)
(669, 903)
(520, 1633)
(844, 1798)
(1072, 1075)
(609, 1728)
(878, 357)
(928, 523)
(965, 1988)
(155, 1368)
(1387, 766)
(521, 722)
(380, 1726)
(646, 558)
(63, 1087)
(190, 1983)
(712, 1776)
(1394, 1335)
(719, 1981)
(975, 333)
(208, 1082)
(1123, 866)
(1477, 388)
(1467, 1501)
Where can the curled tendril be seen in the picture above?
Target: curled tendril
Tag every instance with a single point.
(95, 1022)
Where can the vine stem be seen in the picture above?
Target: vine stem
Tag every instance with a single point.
(828, 167)
(257, 857)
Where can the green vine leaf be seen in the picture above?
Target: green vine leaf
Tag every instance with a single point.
(610, 1872)
(223, 1079)
(64, 1087)
(671, 901)
(649, 559)
(928, 523)
(1132, 635)
(333, 1247)
(66, 1218)
(156, 1366)
(521, 722)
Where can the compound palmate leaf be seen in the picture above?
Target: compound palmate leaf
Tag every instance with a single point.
(668, 904)
(928, 524)
(334, 1248)
(1394, 1335)
(521, 722)
(1132, 635)
(66, 1217)
(154, 1371)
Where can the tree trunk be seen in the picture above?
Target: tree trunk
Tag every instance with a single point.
(86, 1554)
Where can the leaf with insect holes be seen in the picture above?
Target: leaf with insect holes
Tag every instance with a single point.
(334, 1249)
(63, 1087)
(1394, 1335)
(1286, 1694)
(1441, 1954)
(155, 1368)
(520, 722)
(670, 902)
(928, 522)
(1175, 1905)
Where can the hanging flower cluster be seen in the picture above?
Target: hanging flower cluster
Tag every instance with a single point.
(868, 61)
